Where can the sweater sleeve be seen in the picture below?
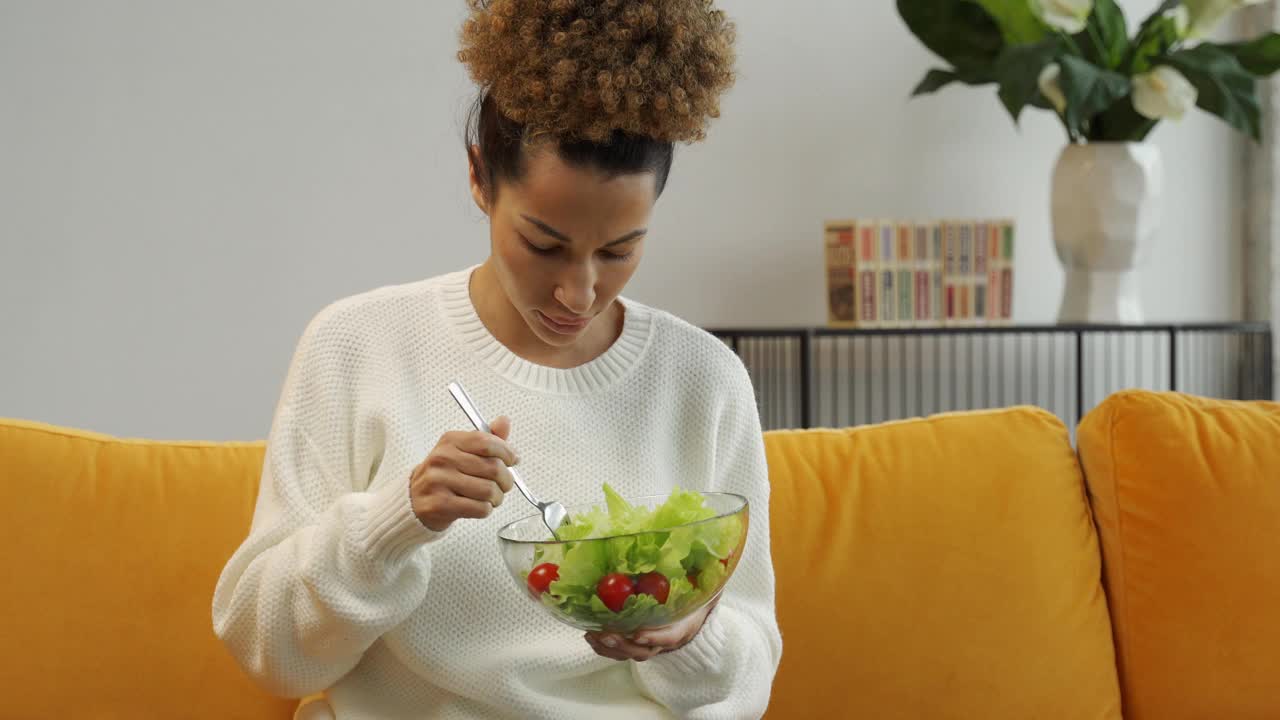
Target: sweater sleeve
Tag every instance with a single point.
(727, 671)
(332, 560)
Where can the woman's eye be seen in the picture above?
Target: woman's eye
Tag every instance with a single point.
(617, 257)
(539, 250)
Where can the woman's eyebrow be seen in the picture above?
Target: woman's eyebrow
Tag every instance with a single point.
(565, 238)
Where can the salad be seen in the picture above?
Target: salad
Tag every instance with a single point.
(624, 567)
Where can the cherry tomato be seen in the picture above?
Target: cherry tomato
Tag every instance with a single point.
(655, 584)
(541, 577)
(693, 579)
(614, 589)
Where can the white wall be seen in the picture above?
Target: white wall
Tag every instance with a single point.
(183, 184)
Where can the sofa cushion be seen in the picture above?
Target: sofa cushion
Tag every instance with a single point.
(1186, 492)
(944, 567)
(111, 549)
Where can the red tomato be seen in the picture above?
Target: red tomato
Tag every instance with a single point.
(614, 590)
(541, 577)
(693, 579)
(655, 584)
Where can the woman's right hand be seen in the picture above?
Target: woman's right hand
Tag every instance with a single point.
(464, 476)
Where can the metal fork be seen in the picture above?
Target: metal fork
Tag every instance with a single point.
(553, 513)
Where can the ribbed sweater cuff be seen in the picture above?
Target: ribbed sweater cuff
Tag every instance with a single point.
(390, 530)
(702, 655)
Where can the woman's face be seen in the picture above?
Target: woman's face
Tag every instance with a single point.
(565, 241)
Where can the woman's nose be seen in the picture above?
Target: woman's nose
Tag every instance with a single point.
(576, 291)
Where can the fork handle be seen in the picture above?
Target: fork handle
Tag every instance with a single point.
(473, 414)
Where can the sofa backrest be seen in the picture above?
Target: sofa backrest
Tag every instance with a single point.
(110, 550)
(942, 567)
(1186, 492)
(937, 567)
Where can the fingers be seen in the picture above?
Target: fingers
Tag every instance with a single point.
(501, 426)
(456, 506)
(485, 468)
(446, 479)
(616, 647)
(667, 637)
(474, 488)
(466, 475)
(676, 635)
(482, 444)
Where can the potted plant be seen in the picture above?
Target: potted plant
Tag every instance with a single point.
(1109, 88)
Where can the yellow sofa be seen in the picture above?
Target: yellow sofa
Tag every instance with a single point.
(969, 565)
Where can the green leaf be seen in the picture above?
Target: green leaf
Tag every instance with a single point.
(1018, 24)
(1163, 8)
(681, 507)
(1120, 123)
(934, 80)
(682, 594)
(1106, 38)
(1157, 36)
(1223, 86)
(1018, 72)
(583, 566)
(958, 31)
(1260, 56)
(1089, 90)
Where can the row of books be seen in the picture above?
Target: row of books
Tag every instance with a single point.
(891, 273)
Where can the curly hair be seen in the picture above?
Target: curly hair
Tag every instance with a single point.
(590, 69)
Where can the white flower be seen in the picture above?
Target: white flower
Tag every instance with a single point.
(1069, 16)
(1050, 88)
(1163, 93)
(1205, 14)
(1181, 19)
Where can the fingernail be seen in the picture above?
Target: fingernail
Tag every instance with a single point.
(610, 642)
(642, 641)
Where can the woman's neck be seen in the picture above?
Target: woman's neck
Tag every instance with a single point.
(510, 328)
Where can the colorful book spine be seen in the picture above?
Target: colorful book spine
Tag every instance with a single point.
(868, 261)
(888, 273)
(965, 269)
(921, 284)
(1006, 271)
(841, 263)
(905, 264)
(993, 273)
(950, 271)
(938, 314)
(980, 291)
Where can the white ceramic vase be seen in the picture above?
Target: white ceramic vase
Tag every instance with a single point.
(1106, 207)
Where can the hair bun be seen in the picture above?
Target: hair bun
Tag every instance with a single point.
(584, 69)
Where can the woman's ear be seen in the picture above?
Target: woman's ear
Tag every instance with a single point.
(475, 172)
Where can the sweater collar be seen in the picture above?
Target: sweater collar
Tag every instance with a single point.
(593, 376)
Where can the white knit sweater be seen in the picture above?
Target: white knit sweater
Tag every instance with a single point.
(340, 589)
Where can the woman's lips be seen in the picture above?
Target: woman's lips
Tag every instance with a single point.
(564, 326)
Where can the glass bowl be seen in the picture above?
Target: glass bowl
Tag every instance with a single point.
(633, 581)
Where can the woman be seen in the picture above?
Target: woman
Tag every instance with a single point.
(370, 573)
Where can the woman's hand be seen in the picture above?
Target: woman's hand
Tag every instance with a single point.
(648, 643)
(465, 476)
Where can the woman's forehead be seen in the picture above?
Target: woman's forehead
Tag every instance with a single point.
(552, 186)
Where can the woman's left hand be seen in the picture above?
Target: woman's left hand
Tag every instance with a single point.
(648, 643)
